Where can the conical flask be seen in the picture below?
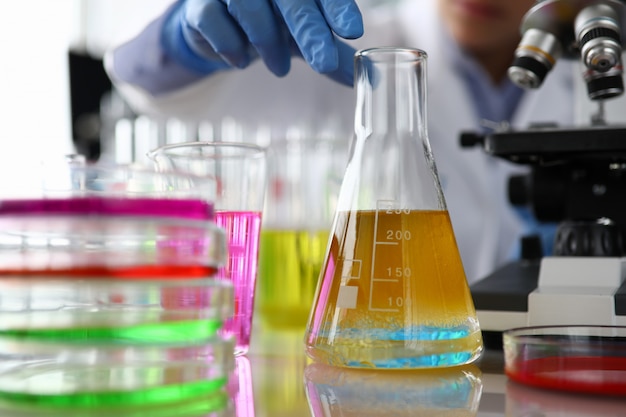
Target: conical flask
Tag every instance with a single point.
(392, 292)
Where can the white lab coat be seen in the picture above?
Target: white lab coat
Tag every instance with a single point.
(474, 184)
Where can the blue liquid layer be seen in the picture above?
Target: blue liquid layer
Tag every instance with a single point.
(415, 347)
(427, 361)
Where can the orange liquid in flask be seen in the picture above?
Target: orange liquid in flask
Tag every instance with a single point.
(393, 294)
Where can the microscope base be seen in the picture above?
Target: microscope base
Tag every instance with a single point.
(551, 291)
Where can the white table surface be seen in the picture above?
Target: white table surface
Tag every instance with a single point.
(279, 379)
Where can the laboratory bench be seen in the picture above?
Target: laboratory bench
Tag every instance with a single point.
(277, 379)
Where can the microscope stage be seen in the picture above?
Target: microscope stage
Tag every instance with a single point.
(552, 291)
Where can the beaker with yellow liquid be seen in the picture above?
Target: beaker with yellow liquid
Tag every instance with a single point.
(305, 173)
(392, 293)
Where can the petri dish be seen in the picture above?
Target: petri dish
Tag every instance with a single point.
(109, 206)
(70, 180)
(63, 376)
(125, 247)
(53, 314)
(584, 359)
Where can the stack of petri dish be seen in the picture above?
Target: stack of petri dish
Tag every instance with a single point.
(108, 296)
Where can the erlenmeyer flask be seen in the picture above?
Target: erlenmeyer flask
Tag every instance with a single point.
(392, 292)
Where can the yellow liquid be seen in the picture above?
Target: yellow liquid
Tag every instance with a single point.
(289, 267)
(393, 294)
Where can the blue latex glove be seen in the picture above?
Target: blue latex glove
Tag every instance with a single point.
(210, 35)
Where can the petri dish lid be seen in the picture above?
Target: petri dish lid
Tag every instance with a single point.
(585, 359)
(109, 206)
(92, 377)
(114, 247)
(40, 314)
(113, 181)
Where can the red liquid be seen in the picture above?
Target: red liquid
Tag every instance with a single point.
(138, 272)
(172, 298)
(243, 233)
(604, 375)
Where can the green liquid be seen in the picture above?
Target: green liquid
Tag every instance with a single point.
(165, 394)
(289, 266)
(170, 332)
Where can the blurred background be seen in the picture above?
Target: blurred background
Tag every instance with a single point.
(52, 79)
(52, 83)
(54, 94)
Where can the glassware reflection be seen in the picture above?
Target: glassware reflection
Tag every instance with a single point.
(278, 374)
(240, 389)
(524, 401)
(213, 405)
(334, 392)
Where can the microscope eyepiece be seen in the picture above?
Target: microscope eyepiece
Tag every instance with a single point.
(589, 30)
(534, 58)
(604, 85)
(600, 49)
(598, 34)
(597, 31)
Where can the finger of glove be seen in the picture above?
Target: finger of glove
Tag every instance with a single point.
(344, 74)
(312, 34)
(259, 22)
(212, 32)
(345, 70)
(344, 17)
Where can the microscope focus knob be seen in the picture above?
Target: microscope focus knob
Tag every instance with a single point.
(531, 248)
(581, 238)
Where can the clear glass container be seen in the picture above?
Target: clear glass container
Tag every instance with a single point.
(91, 244)
(92, 374)
(584, 359)
(240, 171)
(392, 293)
(304, 178)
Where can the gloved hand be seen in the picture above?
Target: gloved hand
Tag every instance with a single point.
(209, 35)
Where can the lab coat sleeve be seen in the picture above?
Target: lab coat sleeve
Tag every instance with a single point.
(151, 82)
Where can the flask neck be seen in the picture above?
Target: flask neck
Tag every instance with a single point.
(391, 92)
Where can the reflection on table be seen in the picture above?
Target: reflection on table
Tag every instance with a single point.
(286, 383)
(523, 401)
(344, 392)
(276, 379)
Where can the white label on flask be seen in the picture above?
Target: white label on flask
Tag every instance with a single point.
(347, 296)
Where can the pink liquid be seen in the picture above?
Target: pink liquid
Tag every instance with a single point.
(240, 388)
(243, 231)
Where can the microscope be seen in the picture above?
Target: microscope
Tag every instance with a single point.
(576, 180)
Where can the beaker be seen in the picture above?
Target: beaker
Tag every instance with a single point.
(392, 292)
(240, 172)
(304, 179)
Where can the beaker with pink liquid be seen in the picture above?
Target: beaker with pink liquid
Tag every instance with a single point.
(240, 174)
